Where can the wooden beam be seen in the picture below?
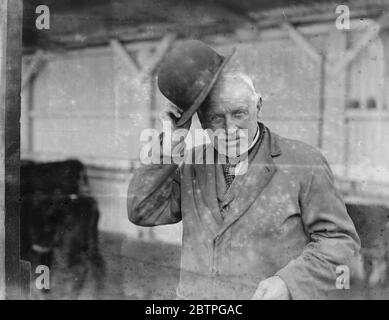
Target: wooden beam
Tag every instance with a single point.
(10, 85)
(25, 276)
(364, 41)
(383, 21)
(385, 40)
(33, 68)
(302, 42)
(148, 73)
(3, 34)
(162, 48)
(122, 53)
(334, 142)
(306, 14)
(322, 102)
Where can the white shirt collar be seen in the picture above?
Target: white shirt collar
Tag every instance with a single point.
(256, 137)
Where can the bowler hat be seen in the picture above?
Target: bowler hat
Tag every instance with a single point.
(188, 74)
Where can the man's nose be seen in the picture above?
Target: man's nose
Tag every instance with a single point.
(230, 125)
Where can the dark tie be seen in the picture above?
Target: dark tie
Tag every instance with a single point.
(228, 170)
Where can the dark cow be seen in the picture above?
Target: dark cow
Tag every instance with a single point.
(372, 225)
(59, 227)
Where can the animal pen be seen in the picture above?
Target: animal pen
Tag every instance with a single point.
(88, 90)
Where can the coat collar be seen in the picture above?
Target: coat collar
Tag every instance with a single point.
(275, 149)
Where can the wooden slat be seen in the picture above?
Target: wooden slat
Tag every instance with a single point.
(308, 48)
(161, 49)
(25, 279)
(302, 42)
(107, 163)
(33, 68)
(368, 115)
(363, 42)
(322, 103)
(334, 145)
(289, 118)
(366, 192)
(80, 115)
(121, 52)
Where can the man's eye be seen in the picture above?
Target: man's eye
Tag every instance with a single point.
(215, 117)
(239, 114)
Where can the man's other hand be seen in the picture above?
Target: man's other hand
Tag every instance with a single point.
(273, 288)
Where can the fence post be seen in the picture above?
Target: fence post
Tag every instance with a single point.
(10, 85)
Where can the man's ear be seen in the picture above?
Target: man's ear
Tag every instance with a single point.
(259, 104)
(259, 107)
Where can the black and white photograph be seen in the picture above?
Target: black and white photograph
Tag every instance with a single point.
(210, 150)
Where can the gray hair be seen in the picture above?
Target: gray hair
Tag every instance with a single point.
(233, 74)
(237, 74)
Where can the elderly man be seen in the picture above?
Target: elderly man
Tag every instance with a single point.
(278, 231)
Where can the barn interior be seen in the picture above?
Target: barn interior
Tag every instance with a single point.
(89, 89)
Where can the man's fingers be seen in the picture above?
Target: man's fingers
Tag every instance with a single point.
(174, 110)
(259, 295)
(172, 113)
(260, 292)
(169, 114)
(273, 288)
(267, 296)
(176, 107)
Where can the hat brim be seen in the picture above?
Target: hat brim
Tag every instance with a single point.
(204, 93)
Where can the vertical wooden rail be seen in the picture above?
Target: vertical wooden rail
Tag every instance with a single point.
(346, 154)
(153, 101)
(322, 102)
(335, 102)
(319, 58)
(29, 96)
(10, 86)
(3, 23)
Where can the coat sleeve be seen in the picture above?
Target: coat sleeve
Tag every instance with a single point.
(154, 195)
(333, 238)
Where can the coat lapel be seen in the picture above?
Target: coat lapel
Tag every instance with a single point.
(204, 188)
(247, 187)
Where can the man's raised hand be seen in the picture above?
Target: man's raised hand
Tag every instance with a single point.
(172, 113)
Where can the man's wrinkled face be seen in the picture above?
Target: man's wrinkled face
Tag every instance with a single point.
(231, 110)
